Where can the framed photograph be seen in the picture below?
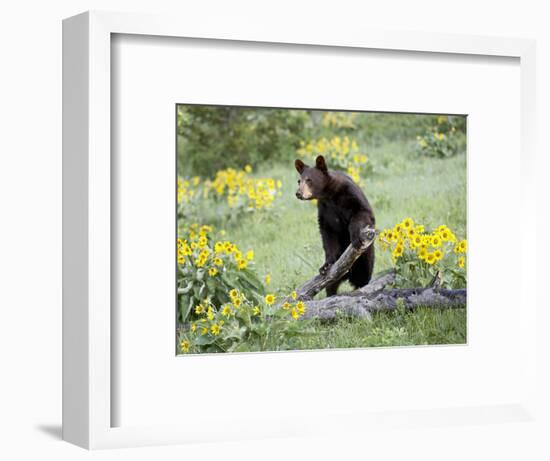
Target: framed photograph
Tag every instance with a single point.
(283, 231)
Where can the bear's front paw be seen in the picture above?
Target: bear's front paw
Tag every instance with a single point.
(325, 268)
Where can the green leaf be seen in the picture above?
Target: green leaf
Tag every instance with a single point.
(186, 306)
(202, 290)
(187, 289)
(204, 340)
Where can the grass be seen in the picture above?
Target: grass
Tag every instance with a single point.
(287, 243)
(421, 327)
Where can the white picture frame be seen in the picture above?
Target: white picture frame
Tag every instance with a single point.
(87, 360)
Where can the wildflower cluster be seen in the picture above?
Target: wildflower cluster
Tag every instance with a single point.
(188, 189)
(243, 191)
(240, 322)
(418, 254)
(339, 120)
(208, 265)
(198, 247)
(233, 191)
(341, 153)
(444, 139)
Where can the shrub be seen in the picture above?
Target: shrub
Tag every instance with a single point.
(339, 120)
(419, 256)
(241, 324)
(340, 153)
(241, 191)
(444, 139)
(212, 138)
(231, 193)
(208, 267)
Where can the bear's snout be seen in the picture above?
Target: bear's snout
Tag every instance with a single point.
(299, 195)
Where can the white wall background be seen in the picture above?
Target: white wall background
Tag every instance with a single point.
(30, 217)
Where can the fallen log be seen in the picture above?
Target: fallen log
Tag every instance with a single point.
(357, 304)
(378, 283)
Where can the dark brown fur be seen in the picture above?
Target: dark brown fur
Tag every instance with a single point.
(343, 210)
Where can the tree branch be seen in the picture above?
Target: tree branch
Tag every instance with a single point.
(340, 268)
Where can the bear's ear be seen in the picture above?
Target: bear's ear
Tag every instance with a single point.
(320, 164)
(300, 166)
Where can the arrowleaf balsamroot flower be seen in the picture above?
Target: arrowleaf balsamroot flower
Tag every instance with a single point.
(411, 246)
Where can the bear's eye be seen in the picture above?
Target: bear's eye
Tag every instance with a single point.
(298, 181)
(308, 180)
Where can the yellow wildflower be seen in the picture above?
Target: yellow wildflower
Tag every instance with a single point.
(212, 271)
(416, 241)
(436, 241)
(184, 346)
(461, 262)
(215, 329)
(407, 223)
(269, 299)
(422, 253)
(398, 251)
(242, 263)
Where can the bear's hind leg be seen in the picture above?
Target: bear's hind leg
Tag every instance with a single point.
(332, 288)
(361, 271)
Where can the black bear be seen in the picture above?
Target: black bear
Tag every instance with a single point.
(343, 210)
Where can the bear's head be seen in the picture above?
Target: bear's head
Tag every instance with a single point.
(313, 180)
